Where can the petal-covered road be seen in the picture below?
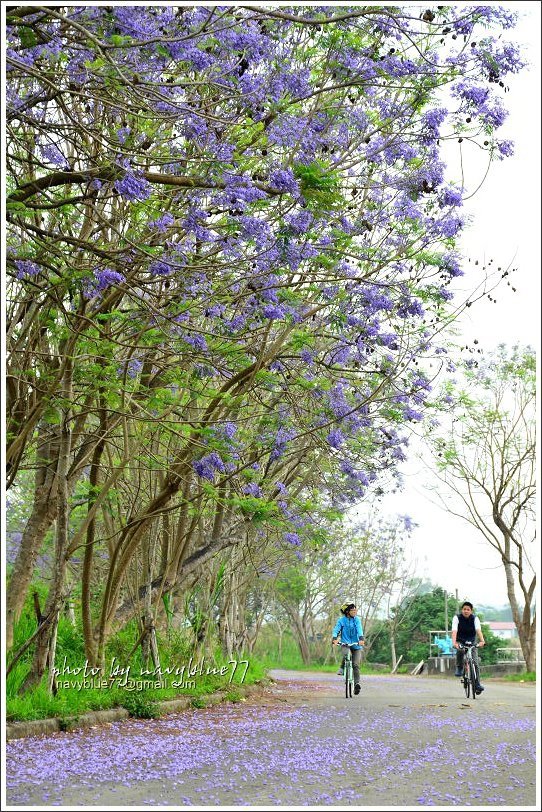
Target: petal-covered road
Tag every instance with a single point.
(405, 741)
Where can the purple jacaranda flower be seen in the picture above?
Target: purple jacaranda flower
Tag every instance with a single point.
(123, 134)
(451, 197)
(450, 226)
(284, 180)
(300, 221)
(134, 367)
(197, 341)
(411, 414)
(505, 148)
(292, 538)
(335, 438)
(272, 311)
(282, 437)
(207, 466)
(133, 186)
(102, 280)
(449, 264)
(228, 430)
(53, 155)
(445, 294)
(287, 130)
(253, 489)
(493, 115)
(162, 222)
(26, 268)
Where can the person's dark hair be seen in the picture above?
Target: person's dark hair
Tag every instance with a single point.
(345, 608)
(467, 603)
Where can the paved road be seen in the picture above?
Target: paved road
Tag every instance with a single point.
(403, 742)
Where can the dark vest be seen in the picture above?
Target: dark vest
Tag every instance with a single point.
(465, 629)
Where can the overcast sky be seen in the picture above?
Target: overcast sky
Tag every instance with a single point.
(506, 228)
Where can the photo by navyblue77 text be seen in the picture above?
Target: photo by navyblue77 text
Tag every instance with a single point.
(185, 676)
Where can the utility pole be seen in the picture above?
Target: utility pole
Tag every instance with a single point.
(446, 611)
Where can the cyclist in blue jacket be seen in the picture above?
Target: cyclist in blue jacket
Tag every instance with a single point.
(349, 627)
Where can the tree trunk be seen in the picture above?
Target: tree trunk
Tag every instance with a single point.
(300, 635)
(46, 640)
(393, 652)
(524, 624)
(40, 520)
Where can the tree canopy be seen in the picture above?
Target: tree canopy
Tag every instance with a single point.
(231, 239)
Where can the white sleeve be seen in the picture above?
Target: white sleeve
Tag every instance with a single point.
(455, 623)
(477, 627)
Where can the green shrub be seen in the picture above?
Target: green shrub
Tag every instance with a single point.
(140, 706)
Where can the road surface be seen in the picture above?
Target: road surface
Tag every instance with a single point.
(403, 742)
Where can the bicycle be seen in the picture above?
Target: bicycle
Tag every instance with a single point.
(471, 674)
(348, 670)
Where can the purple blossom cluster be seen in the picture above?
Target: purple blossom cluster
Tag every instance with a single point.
(133, 186)
(26, 268)
(52, 154)
(101, 280)
(207, 466)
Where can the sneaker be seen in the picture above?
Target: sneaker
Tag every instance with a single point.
(479, 689)
(357, 689)
(458, 672)
(340, 672)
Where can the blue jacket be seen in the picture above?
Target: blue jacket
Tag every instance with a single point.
(350, 629)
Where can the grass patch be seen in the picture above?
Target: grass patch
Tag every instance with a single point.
(528, 676)
(76, 697)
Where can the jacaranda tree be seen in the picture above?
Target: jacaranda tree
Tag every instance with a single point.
(230, 242)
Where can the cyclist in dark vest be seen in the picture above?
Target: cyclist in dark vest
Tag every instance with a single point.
(465, 629)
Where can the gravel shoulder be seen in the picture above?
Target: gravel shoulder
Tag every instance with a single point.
(403, 742)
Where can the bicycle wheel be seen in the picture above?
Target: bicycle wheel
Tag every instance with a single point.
(475, 679)
(348, 678)
(466, 679)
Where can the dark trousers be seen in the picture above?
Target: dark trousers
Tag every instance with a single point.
(356, 661)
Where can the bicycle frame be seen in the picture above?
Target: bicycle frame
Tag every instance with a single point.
(470, 670)
(348, 670)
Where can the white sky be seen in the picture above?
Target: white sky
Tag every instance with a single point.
(505, 228)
